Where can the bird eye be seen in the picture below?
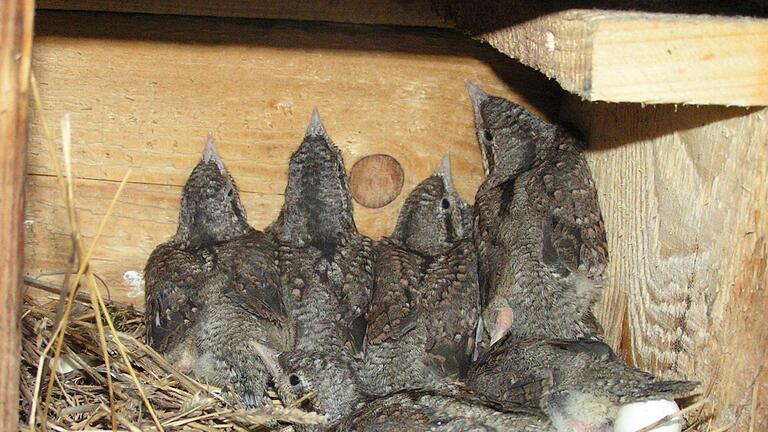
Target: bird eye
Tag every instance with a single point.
(294, 380)
(445, 203)
(488, 135)
(230, 192)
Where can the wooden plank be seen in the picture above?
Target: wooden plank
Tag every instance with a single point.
(684, 192)
(391, 12)
(618, 56)
(16, 19)
(396, 91)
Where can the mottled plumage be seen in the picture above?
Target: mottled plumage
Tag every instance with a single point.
(425, 306)
(326, 271)
(580, 384)
(212, 297)
(448, 410)
(539, 231)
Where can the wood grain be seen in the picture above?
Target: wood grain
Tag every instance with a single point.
(16, 20)
(144, 91)
(620, 56)
(392, 12)
(684, 192)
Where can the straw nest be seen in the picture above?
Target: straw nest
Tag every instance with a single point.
(80, 393)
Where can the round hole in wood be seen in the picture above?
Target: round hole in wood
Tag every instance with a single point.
(376, 180)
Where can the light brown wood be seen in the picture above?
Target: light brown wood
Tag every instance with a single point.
(16, 19)
(397, 91)
(393, 12)
(376, 180)
(684, 193)
(618, 56)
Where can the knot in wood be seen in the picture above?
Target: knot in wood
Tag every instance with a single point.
(376, 180)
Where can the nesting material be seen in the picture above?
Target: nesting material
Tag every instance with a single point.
(80, 398)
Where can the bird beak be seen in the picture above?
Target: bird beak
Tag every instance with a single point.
(503, 323)
(477, 97)
(269, 357)
(316, 127)
(444, 172)
(478, 337)
(211, 154)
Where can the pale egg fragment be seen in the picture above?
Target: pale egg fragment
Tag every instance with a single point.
(635, 416)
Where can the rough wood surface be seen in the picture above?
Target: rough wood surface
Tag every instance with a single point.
(393, 12)
(684, 192)
(619, 56)
(170, 80)
(15, 48)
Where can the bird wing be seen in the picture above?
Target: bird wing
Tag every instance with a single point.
(173, 279)
(449, 295)
(595, 348)
(357, 287)
(624, 384)
(254, 276)
(486, 209)
(574, 233)
(393, 311)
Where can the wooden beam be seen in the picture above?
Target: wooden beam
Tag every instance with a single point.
(15, 48)
(391, 12)
(684, 191)
(618, 56)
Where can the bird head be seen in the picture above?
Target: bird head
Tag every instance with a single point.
(433, 217)
(577, 411)
(318, 202)
(508, 134)
(330, 378)
(211, 210)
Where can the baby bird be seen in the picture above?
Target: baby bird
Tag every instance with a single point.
(449, 410)
(580, 384)
(326, 272)
(425, 305)
(539, 231)
(212, 291)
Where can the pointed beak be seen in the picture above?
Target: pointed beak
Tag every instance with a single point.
(502, 325)
(477, 97)
(444, 172)
(446, 175)
(211, 154)
(316, 127)
(269, 358)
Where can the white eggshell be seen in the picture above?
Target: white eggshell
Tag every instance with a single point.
(635, 416)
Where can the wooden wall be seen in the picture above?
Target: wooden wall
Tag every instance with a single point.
(143, 91)
(682, 188)
(684, 192)
(15, 48)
